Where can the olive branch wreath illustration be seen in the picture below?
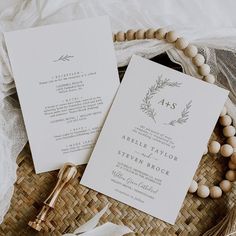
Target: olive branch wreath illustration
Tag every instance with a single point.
(146, 106)
(183, 117)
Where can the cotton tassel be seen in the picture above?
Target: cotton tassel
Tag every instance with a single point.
(226, 227)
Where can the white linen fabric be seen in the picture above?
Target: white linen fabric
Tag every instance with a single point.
(211, 25)
(90, 228)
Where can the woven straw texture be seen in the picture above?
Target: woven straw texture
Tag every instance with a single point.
(77, 204)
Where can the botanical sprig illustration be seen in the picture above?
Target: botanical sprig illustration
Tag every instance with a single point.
(146, 105)
(183, 117)
(64, 58)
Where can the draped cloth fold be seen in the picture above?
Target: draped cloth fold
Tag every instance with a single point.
(211, 26)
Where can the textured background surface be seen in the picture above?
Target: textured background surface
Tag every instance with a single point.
(78, 204)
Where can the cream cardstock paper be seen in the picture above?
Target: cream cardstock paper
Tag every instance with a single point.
(153, 138)
(66, 77)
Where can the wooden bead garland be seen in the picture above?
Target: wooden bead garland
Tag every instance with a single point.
(161, 33)
(227, 150)
(130, 35)
(225, 120)
(209, 79)
(204, 70)
(229, 131)
(232, 141)
(215, 192)
(171, 36)
(193, 187)
(150, 33)
(140, 34)
(190, 51)
(181, 43)
(230, 175)
(198, 60)
(214, 147)
(120, 36)
(225, 185)
(203, 191)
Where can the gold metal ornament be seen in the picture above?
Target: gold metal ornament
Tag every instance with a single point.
(65, 175)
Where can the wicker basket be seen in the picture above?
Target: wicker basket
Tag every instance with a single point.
(77, 204)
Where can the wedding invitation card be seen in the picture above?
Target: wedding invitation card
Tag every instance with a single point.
(66, 78)
(153, 138)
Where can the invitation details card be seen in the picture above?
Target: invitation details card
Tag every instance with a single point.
(66, 77)
(153, 138)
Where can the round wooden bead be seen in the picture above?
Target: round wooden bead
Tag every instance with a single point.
(232, 165)
(181, 43)
(209, 78)
(225, 120)
(190, 51)
(161, 33)
(214, 147)
(229, 131)
(204, 69)
(120, 36)
(225, 185)
(206, 151)
(193, 187)
(171, 36)
(130, 35)
(232, 141)
(198, 60)
(140, 34)
(223, 112)
(230, 175)
(233, 158)
(215, 192)
(203, 191)
(226, 150)
(150, 33)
